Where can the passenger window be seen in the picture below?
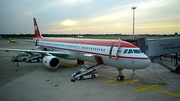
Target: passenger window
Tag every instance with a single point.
(125, 51)
(130, 51)
(136, 51)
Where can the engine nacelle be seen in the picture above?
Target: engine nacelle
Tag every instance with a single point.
(51, 62)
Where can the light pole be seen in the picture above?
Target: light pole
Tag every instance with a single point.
(133, 8)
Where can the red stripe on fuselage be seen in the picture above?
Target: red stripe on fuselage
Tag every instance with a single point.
(133, 57)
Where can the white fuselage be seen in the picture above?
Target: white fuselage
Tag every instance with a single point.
(117, 56)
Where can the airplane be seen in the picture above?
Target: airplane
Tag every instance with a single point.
(12, 41)
(115, 53)
(80, 36)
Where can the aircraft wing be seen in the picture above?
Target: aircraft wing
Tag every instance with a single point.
(36, 51)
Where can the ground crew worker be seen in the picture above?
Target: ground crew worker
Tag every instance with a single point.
(16, 65)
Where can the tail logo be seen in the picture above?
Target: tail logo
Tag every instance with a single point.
(35, 27)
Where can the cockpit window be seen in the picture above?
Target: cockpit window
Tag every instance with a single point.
(125, 51)
(136, 51)
(130, 51)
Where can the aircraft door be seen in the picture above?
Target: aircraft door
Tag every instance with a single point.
(113, 52)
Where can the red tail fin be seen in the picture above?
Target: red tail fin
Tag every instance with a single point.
(36, 30)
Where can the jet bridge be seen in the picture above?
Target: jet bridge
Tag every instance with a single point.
(138, 41)
(155, 48)
(158, 47)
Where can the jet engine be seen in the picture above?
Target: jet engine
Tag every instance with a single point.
(51, 62)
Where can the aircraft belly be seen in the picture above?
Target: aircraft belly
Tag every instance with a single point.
(125, 63)
(72, 55)
(81, 56)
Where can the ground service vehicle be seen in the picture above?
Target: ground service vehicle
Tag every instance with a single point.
(34, 57)
(21, 56)
(85, 72)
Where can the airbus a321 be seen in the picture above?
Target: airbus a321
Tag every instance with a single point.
(115, 53)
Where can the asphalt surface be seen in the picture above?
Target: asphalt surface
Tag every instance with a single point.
(35, 82)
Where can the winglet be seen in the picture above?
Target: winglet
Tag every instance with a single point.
(36, 30)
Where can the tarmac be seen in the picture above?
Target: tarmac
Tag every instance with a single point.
(35, 82)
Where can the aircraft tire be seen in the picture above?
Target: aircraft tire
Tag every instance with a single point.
(72, 80)
(15, 60)
(81, 78)
(120, 77)
(93, 76)
(177, 70)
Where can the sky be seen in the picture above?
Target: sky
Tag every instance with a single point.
(90, 16)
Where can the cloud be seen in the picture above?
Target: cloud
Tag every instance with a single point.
(63, 3)
(89, 16)
(75, 2)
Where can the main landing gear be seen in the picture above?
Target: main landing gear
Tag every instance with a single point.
(120, 76)
(80, 62)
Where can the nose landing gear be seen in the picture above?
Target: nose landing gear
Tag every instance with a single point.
(120, 76)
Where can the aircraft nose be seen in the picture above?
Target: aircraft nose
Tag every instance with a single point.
(144, 63)
(147, 62)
